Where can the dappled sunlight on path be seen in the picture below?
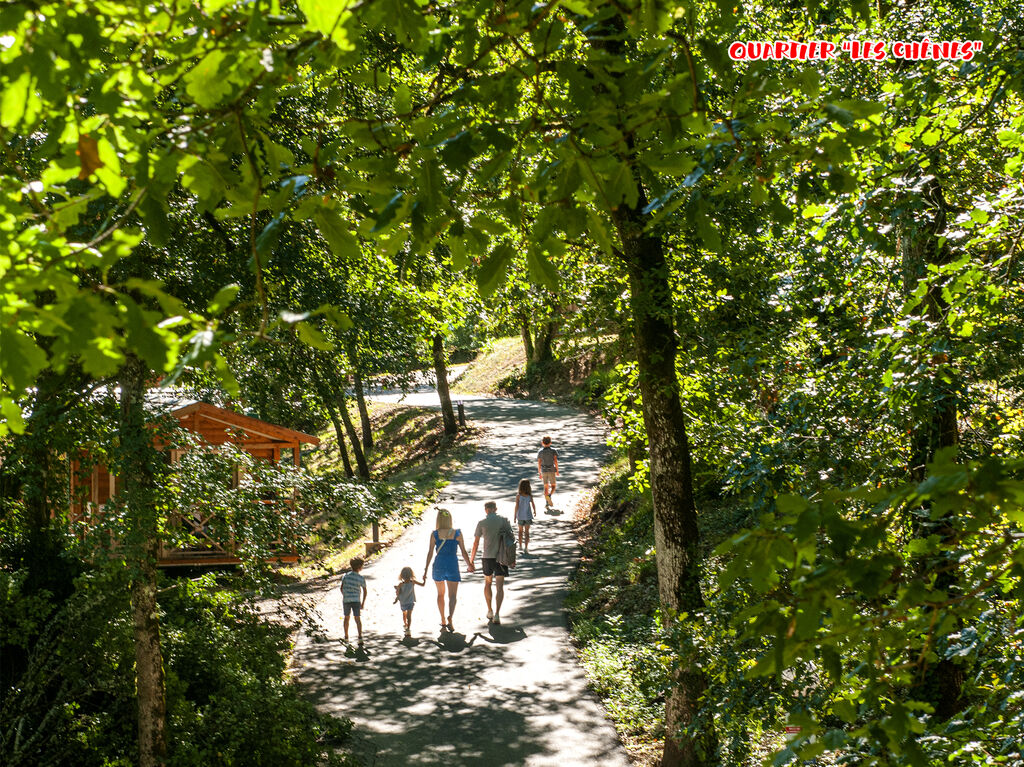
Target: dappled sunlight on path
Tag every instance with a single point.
(509, 694)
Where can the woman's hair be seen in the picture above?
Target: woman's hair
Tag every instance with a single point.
(524, 487)
(406, 574)
(444, 519)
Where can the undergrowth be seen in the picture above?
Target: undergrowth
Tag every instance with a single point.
(627, 652)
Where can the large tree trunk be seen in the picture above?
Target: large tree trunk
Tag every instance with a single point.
(137, 462)
(524, 331)
(451, 426)
(357, 381)
(544, 342)
(935, 424)
(676, 537)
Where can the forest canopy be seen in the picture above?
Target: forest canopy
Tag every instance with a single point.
(808, 268)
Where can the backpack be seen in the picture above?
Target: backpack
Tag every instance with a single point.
(506, 554)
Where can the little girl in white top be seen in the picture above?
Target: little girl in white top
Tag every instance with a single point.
(405, 595)
(525, 510)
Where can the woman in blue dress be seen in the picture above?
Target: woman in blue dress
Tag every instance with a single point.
(446, 543)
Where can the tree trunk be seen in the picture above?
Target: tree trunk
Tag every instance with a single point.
(327, 399)
(364, 413)
(524, 330)
(357, 379)
(137, 463)
(544, 342)
(935, 426)
(451, 426)
(361, 466)
(676, 537)
(339, 433)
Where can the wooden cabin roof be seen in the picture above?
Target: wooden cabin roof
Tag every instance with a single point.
(217, 425)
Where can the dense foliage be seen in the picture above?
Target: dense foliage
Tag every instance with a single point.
(811, 269)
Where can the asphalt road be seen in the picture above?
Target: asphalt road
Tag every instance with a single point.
(484, 695)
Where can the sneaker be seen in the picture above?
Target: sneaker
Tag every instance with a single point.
(490, 615)
(547, 501)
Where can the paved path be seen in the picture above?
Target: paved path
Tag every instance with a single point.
(486, 695)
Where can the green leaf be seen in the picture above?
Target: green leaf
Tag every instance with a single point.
(151, 346)
(154, 219)
(205, 83)
(388, 214)
(328, 17)
(12, 416)
(787, 503)
(334, 229)
(541, 269)
(492, 271)
(267, 239)
(227, 377)
(457, 151)
(21, 359)
(310, 336)
(223, 298)
(20, 102)
(599, 231)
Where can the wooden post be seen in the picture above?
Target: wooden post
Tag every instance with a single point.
(462, 415)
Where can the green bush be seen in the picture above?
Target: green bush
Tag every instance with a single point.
(229, 701)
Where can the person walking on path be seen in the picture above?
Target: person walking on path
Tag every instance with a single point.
(547, 468)
(446, 542)
(525, 511)
(353, 595)
(491, 528)
(405, 596)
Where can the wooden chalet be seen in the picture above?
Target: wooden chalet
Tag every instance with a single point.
(217, 426)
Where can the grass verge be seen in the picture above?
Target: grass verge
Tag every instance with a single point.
(580, 374)
(499, 359)
(612, 604)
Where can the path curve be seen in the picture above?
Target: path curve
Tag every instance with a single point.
(512, 694)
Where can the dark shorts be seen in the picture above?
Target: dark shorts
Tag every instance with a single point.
(525, 522)
(491, 567)
(351, 607)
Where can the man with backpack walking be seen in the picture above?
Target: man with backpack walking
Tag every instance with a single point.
(547, 468)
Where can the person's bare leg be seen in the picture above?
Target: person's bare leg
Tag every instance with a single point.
(487, 596)
(526, 532)
(499, 596)
(453, 593)
(359, 628)
(440, 599)
(346, 626)
(520, 536)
